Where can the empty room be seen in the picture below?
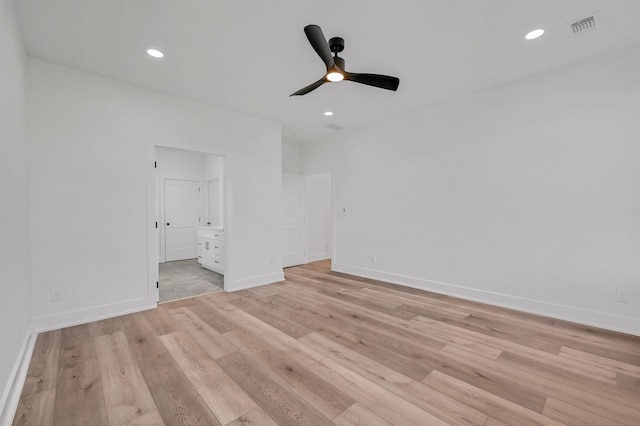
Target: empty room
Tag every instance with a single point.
(349, 212)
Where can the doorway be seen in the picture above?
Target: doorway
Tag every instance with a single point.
(307, 218)
(319, 213)
(189, 197)
(294, 232)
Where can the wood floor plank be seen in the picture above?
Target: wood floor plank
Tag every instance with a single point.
(356, 296)
(323, 396)
(300, 353)
(600, 361)
(152, 418)
(421, 326)
(213, 343)
(495, 422)
(435, 313)
(105, 326)
(224, 397)
(160, 320)
(631, 383)
(377, 399)
(492, 405)
(568, 414)
(581, 398)
(255, 417)
(79, 395)
(606, 375)
(264, 312)
(175, 396)
(43, 368)
(366, 348)
(210, 314)
(436, 403)
(358, 415)
(569, 377)
(126, 393)
(36, 409)
(142, 338)
(280, 404)
(596, 336)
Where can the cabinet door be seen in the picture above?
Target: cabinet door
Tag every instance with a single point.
(207, 258)
(201, 250)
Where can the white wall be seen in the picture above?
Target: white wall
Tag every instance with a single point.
(213, 174)
(290, 158)
(179, 165)
(91, 142)
(319, 216)
(15, 283)
(213, 167)
(526, 195)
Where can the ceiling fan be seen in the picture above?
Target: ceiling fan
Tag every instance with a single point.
(335, 65)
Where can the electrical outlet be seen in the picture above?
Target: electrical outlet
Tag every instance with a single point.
(622, 296)
(56, 295)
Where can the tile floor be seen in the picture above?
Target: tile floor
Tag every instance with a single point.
(186, 278)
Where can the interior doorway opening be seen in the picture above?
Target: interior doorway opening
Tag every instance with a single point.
(307, 213)
(189, 212)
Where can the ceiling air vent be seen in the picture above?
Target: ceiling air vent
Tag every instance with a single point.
(334, 127)
(584, 25)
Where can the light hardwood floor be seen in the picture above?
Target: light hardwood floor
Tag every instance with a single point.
(325, 348)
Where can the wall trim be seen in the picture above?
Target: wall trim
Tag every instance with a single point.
(95, 313)
(256, 281)
(562, 312)
(13, 389)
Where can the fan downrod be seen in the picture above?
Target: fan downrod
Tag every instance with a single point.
(336, 44)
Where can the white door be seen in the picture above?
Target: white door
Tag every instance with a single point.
(181, 217)
(294, 239)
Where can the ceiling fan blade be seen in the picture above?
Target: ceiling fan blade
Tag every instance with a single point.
(319, 44)
(377, 80)
(309, 88)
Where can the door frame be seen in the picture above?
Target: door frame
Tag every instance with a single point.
(153, 221)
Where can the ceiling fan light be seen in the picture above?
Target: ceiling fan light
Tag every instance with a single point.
(335, 76)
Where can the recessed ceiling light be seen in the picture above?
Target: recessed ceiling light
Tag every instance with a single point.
(155, 53)
(328, 113)
(534, 34)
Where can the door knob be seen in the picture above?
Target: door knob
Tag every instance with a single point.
(168, 224)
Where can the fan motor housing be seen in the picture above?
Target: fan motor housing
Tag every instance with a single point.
(336, 44)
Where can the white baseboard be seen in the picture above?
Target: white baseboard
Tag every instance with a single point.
(319, 256)
(258, 280)
(96, 313)
(567, 313)
(13, 388)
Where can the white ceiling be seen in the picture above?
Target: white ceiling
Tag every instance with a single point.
(249, 56)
